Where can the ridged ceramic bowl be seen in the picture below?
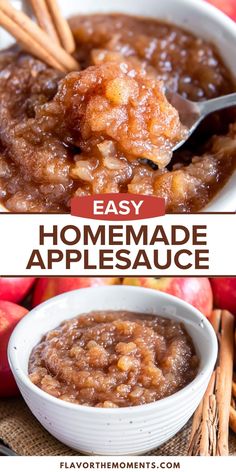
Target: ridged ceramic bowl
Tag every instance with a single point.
(197, 16)
(109, 431)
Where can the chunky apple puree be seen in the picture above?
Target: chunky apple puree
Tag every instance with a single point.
(108, 128)
(112, 359)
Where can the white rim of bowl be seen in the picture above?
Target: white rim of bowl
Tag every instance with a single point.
(213, 11)
(188, 389)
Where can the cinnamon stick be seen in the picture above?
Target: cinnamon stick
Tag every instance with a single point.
(213, 422)
(194, 436)
(234, 389)
(234, 375)
(205, 444)
(44, 19)
(209, 435)
(232, 413)
(62, 26)
(28, 42)
(232, 419)
(38, 35)
(201, 427)
(224, 381)
(216, 320)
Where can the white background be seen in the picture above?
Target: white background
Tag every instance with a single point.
(52, 464)
(19, 235)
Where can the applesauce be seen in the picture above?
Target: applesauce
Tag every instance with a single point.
(108, 128)
(113, 359)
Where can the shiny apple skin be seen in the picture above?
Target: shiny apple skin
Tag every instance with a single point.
(50, 287)
(224, 292)
(194, 290)
(10, 315)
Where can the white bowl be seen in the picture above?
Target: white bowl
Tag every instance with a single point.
(121, 431)
(197, 16)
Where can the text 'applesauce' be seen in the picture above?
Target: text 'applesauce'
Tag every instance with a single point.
(111, 254)
(112, 359)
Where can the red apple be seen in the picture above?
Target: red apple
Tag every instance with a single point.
(224, 293)
(14, 289)
(194, 290)
(10, 314)
(50, 287)
(227, 6)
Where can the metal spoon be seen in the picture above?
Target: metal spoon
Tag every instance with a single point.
(5, 451)
(192, 113)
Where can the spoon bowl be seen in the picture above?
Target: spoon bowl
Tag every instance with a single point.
(192, 113)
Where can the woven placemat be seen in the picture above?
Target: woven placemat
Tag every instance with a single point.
(20, 431)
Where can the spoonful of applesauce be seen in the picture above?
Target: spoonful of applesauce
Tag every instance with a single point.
(192, 113)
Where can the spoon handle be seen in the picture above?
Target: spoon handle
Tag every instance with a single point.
(5, 451)
(216, 104)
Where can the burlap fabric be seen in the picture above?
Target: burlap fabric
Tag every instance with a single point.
(20, 431)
